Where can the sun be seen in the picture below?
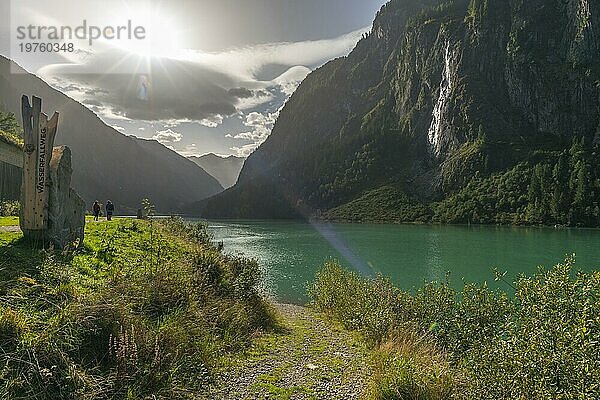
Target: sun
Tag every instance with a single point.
(164, 36)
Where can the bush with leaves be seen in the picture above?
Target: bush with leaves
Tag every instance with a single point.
(142, 311)
(9, 208)
(540, 343)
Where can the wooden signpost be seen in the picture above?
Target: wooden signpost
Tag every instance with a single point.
(39, 134)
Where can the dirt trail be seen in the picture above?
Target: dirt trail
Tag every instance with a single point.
(311, 359)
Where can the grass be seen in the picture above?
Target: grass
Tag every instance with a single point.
(411, 367)
(144, 310)
(151, 309)
(11, 138)
(308, 358)
(385, 204)
(435, 343)
(9, 221)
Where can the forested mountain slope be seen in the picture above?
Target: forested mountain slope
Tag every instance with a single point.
(483, 111)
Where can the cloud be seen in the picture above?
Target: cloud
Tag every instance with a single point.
(244, 151)
(191, 85)
(189, 150)
(172, 89)
(247, 62)
(261, 124)
(257, 119)
(168, 136)
(91, 102)
(259, 134)
(212, 121)
(236, 92)
(291, 79)
(241, 93)
(171, 123)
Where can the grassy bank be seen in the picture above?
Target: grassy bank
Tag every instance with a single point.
(435, 343)
(144, 310)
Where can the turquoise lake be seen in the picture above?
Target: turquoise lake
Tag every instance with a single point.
(289, 253)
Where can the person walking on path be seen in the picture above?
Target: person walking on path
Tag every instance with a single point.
(110, 209)
(96, 210)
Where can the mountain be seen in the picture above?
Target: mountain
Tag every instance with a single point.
(483, 111)
(106, 163)
(225, 169)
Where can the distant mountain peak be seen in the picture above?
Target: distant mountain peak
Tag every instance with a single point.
(107, 163)
(226, 169)
(213, 155)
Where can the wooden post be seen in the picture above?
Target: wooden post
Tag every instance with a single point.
(39, 134)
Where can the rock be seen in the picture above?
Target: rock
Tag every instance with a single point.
(66, 212)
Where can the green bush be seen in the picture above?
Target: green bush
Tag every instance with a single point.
(147, 310)
(10, 130)
(540, 343)
(9, 208)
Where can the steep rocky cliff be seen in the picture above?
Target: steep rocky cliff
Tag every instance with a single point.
(438, 95)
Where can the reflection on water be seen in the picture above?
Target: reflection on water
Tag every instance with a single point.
(433, 262)
(347, 253)
(290, 253)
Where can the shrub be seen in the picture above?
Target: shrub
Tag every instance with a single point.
(146, 310)
(9, 208)
(541, 342)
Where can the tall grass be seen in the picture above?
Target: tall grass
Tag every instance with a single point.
(113, 322)
(436, 343)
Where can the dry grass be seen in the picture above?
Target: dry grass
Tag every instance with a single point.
(409, 365)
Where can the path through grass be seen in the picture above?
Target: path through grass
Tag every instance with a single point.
(308, 358)
(154, 310)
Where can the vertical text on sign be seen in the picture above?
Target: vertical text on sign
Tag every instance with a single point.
(41, 183)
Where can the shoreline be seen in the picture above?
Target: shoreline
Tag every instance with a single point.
(350, 222)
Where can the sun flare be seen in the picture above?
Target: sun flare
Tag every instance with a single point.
(164, 37)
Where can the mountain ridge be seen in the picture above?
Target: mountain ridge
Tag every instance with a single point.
(108, 164)
(224, 169)
(439, 95)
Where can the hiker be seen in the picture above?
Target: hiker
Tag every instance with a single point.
(110, 209)
(96, 209)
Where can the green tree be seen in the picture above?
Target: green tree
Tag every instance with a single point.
(538, 209)
(582, 184)
(561, 196)
(9, 124)
(534, 198)
(577, 150)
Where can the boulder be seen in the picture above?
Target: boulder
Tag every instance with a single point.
(66, 209)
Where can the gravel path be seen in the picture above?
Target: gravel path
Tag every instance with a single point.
(311, 359)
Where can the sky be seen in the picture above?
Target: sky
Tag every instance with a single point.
(199, 76)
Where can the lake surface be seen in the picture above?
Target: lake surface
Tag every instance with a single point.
(290, 253)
